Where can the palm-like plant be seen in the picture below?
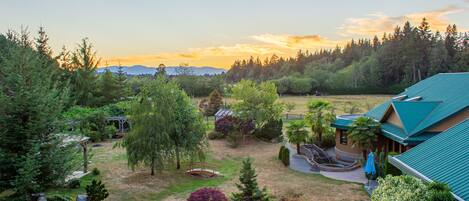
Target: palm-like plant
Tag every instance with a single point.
(319, 117)
(363, 132)
(297, 133)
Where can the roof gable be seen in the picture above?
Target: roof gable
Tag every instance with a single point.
(444, 158)
(412, 113)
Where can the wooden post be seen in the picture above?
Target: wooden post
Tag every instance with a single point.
(85, 155)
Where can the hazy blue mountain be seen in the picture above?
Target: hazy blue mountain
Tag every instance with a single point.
(171, 70)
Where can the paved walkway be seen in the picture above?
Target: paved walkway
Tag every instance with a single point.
(300, 164)
(356, 175)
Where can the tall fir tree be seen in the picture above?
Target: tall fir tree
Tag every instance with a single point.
(33, 157)
(109, 88)
(84, 80)
(121, 78)
(215, 101)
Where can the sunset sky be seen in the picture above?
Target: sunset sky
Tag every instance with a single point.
(216, 32)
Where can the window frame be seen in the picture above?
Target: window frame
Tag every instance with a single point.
(343, 138)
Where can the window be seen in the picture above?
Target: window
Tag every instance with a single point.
(343, 137)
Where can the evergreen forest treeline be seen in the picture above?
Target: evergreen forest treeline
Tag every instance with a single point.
(379, 65)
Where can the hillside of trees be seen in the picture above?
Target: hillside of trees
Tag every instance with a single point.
(379, 65)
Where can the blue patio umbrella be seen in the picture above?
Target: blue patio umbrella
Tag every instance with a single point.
(370, 164)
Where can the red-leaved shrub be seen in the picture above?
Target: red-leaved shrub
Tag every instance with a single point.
(226, 124)
(229, 123)
(207, 194)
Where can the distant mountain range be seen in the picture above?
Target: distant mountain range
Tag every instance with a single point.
(170, 70)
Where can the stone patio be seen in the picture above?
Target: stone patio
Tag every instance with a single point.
(299, 163)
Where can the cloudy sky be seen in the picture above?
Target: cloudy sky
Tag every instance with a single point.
(216, 32)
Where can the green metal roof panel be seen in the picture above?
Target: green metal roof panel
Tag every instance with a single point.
(378, 111)
(444, 158)
(417, 139)
(393, 132)
(450, 89)
(344, 121)
(411, 113)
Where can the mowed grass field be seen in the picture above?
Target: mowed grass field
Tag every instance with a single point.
(341, 103)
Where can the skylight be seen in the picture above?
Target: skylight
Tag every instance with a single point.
(401, 97)
(417, 98)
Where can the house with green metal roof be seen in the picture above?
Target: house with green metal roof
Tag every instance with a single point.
(419, 113)
(443, 158)
(428, 124)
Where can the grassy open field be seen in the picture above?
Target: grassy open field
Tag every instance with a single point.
(342, 104)
(171, 185)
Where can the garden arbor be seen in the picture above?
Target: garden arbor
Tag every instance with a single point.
(123, 123)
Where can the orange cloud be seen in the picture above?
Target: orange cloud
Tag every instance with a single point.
(377, 23)
(297, 42)
(220, 56)
(223, 56)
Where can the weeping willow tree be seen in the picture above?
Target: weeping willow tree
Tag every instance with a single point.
(166, 127)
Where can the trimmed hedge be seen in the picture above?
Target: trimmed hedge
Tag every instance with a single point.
(284, 155)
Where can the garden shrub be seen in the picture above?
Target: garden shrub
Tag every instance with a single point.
(408, 188)
(389, 168)
(280, 152)
(439, 192)
(74, 183)
(271, 130)
(110, 131)
(96, 191)
(215, 135)
(207, 194)
(400, 188)
(226, 124)
(95, 171)
(246, 127)
(284, 155)
(234, 139)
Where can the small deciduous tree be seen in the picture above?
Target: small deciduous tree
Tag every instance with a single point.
(363, 132)
(297, 133)
(319, 117)
(248, 187)
(166, 126)
(256, 102)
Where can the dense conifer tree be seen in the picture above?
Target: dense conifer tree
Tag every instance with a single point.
(33, 156)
